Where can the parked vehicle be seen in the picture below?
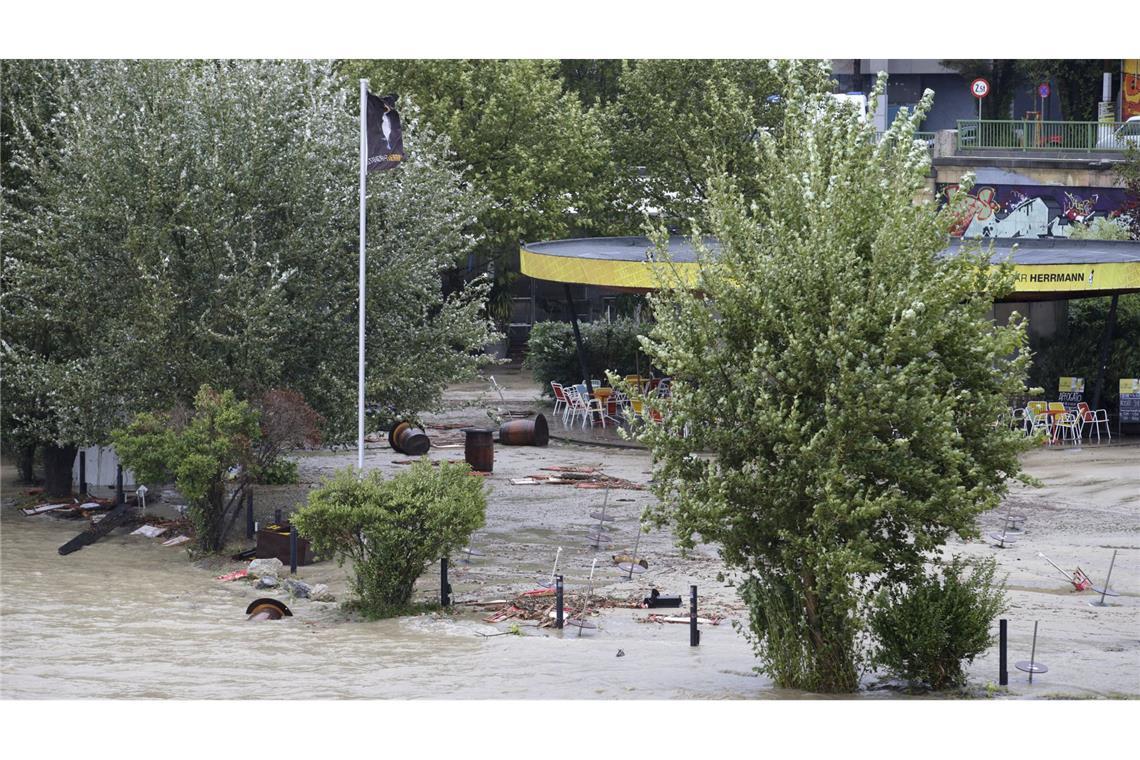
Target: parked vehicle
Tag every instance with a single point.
(1127, 134)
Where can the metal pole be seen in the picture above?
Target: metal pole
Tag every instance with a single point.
(277, 516)
(119, 499)
(558, 602)
(694, 633)
(82, 472)
(444, 586)
(1102, 358)
(360, 348)
(633, 559)
(1104, 590)
(1033, 652)
(292, 550)
(249, 531)
(1003, 674)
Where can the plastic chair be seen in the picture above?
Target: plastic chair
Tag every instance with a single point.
(1067, 426)
(1036, 414)
(575, 405)
(559, 396)
(1095, 418)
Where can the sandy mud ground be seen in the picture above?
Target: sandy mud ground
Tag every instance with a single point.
(55, 609)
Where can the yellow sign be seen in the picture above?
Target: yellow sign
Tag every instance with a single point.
(1037, 278)
(1129, 385)
(1071, 385)
(1130, 88)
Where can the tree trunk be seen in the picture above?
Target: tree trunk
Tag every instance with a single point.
(27, 463)
(58, 461)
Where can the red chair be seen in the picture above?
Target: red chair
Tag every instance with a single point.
(1086, 416)
(559, 396)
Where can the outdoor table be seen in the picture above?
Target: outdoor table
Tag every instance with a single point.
(1053, 414)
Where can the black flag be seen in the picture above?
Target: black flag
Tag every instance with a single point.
(385, 136)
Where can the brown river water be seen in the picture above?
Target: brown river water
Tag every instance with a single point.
(129, 619)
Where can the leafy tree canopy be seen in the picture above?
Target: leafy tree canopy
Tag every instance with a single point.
(835, 382)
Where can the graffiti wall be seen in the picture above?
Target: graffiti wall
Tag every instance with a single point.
(1130, 88)
(1031, 211)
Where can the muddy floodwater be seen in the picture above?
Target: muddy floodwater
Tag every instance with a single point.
(128, 618)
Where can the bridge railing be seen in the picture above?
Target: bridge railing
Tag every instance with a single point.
(1033, 135)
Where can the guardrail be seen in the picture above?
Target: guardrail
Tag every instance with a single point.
(1032, 135)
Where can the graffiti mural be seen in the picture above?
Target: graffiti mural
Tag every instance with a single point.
(1130, 88)
(1031, 211)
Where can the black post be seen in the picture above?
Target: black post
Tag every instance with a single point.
(444, 586)
(578, 342)
(292, 550)
(558, 602)
(1102, 359)
(694, 634)
(82, 472)
(1003, 674)
(119, 498)
(277, 516)
(249, 531)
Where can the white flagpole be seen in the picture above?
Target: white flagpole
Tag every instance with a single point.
(360, 372)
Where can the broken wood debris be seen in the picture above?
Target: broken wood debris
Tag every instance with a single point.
(579, 477)
(655, 618)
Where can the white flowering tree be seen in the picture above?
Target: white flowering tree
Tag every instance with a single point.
(836, 384)
(181, 223)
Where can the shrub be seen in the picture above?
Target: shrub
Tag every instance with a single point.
(279, 472)
(205, 452)
(391, 529)
(553, 355)
(930, 630)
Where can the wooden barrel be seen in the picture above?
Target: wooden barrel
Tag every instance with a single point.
(525, 432)
(479, 449)
(408, 440)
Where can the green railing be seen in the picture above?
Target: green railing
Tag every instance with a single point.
(1032, 135)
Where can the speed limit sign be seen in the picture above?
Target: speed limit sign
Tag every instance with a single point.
(980, 88)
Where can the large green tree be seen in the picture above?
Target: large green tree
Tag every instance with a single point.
(677, 123)
(523, 140)
(180, 223)
(835, 383)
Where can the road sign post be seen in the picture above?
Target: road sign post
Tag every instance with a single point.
(979, 88)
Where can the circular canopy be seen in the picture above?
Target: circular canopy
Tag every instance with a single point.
(1051, 268)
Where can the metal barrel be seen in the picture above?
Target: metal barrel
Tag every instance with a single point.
(525, 432)
(267, 609)
(408, 440)
(479, 449)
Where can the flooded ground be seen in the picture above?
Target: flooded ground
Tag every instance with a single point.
(129, 618)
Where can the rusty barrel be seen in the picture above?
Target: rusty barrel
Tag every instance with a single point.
(525, 432)
(267, 609)
(479, 449)
(408, 440)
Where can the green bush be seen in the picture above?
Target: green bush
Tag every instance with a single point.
(208, 455)
(553, 355)
(391, 529)
(279, 472)
(929, 631)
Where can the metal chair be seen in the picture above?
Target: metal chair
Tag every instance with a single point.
(1096, 418)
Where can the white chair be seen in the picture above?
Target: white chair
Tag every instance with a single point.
(1095, 418)
(1067, 426)
(575, 406)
